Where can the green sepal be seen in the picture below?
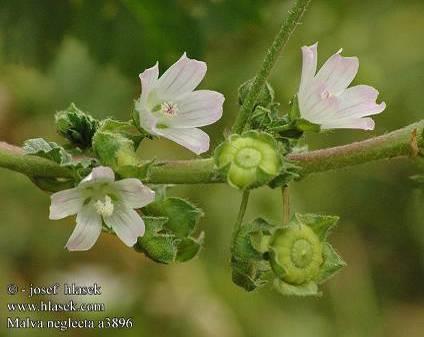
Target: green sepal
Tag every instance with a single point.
(294, 112)
(76, 126)
(304, 125)
(265, 97)
(332, 263)
(250, 269)
(288, 173)
(320, 224)
(157, 243)
(126, 129)
(306, 289)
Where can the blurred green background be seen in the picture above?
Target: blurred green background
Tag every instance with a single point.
(91, 52)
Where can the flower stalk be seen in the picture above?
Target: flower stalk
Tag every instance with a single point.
(286, 30)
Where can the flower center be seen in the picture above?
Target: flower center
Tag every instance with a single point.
(301, 253)
(325, 94)
(169, 109)
(104, 208)
(248, 157)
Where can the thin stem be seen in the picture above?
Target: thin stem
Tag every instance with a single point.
(286, 204)
(405, 142)
(286, 30)
(242, 211)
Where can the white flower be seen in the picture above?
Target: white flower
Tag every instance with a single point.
(169, 106)
(325, 99)
(97, 197)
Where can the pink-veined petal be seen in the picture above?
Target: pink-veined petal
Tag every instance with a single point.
(350, 123)
(99, 174)
(338, 72)
(182, 77)
(197, 108)
(127, 224)
(359, 101)
(148, 80)
(193, 139)
(309, 66)
(134, 194)
(65, 203)
(87, 230)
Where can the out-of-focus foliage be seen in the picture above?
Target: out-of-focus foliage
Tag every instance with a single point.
(53, 53)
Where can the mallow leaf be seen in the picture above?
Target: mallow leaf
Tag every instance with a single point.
(172, 237)
(49, 150)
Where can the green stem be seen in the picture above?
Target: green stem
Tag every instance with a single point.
(405, 142)
(286, 204)
(286, 30)
(242, 210)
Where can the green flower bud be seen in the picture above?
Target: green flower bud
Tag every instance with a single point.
(249, 160)
(76, 126)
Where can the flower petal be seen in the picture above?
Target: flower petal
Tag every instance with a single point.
(134, 194)
(338, 72)
(147, 120)
(65, 203)
(350, 123)
(309, 66)
(182, 77)
(127, 224)
(87, 230)
(100, 173)
(193, 139)
(359, 101)
(148, 79)
(197, 108)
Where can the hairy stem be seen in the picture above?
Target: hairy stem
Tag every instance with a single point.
(242, 210)
(405, 142)
(286, 30)
(286, 204)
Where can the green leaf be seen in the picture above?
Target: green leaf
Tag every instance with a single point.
(183, 216)
(332, 263)
(189, 247)
(173, 240)
(250, 269)
(76, 126)
(320, 224)
(49, 150)
(306, 289)
(156, 243)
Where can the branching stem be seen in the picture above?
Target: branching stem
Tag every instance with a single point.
(405, 142)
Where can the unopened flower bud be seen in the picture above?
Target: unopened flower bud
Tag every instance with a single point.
(76, 126)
